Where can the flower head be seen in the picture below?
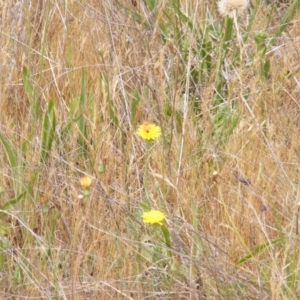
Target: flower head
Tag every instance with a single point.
(149, 131)
(153, 217)
(85, 182)
(229, 7)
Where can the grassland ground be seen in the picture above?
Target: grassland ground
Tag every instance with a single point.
(201, 202)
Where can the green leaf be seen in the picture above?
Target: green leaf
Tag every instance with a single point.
(10, 203)
(134, 103)
(265, 70)
(166, 234)
(178, 117)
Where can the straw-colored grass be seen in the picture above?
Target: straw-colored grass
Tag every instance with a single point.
(77, 79)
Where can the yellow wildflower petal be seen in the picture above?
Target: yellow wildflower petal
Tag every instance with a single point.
(153, 217)
(85, 182)
(149, 131)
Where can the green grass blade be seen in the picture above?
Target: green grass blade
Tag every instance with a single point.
(73, 118)
(4, 244)
(224, 45)
(205, 54)
(289, 15)
(1, 254)
(28, 86)
(167, 237)
(181, 15)
(134, 103)
(111, 107)
(81, 121)
(258, 249)
(10, 152)
(12, 157)
(112, 112)
(10, 203)
(48, 131)
(166, 234)
(151, 4)
(83, 97)
(224, 122)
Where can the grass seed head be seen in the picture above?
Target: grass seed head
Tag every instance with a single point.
(228, 7)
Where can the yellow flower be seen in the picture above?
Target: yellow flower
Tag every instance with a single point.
(153, 217)
(85, 182)
(149, 131)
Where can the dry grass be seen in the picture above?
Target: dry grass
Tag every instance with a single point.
(225, 170)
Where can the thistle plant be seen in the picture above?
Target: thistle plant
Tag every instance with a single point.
(233, 9)
(261, 48)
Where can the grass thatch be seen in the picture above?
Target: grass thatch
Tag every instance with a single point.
(78, 78)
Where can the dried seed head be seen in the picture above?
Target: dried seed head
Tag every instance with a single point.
(178, 243)
(229, 7)
(215, 176)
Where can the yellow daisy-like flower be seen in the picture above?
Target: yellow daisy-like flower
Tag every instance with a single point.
(153, 217)
(85, 182)
(149, 131)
